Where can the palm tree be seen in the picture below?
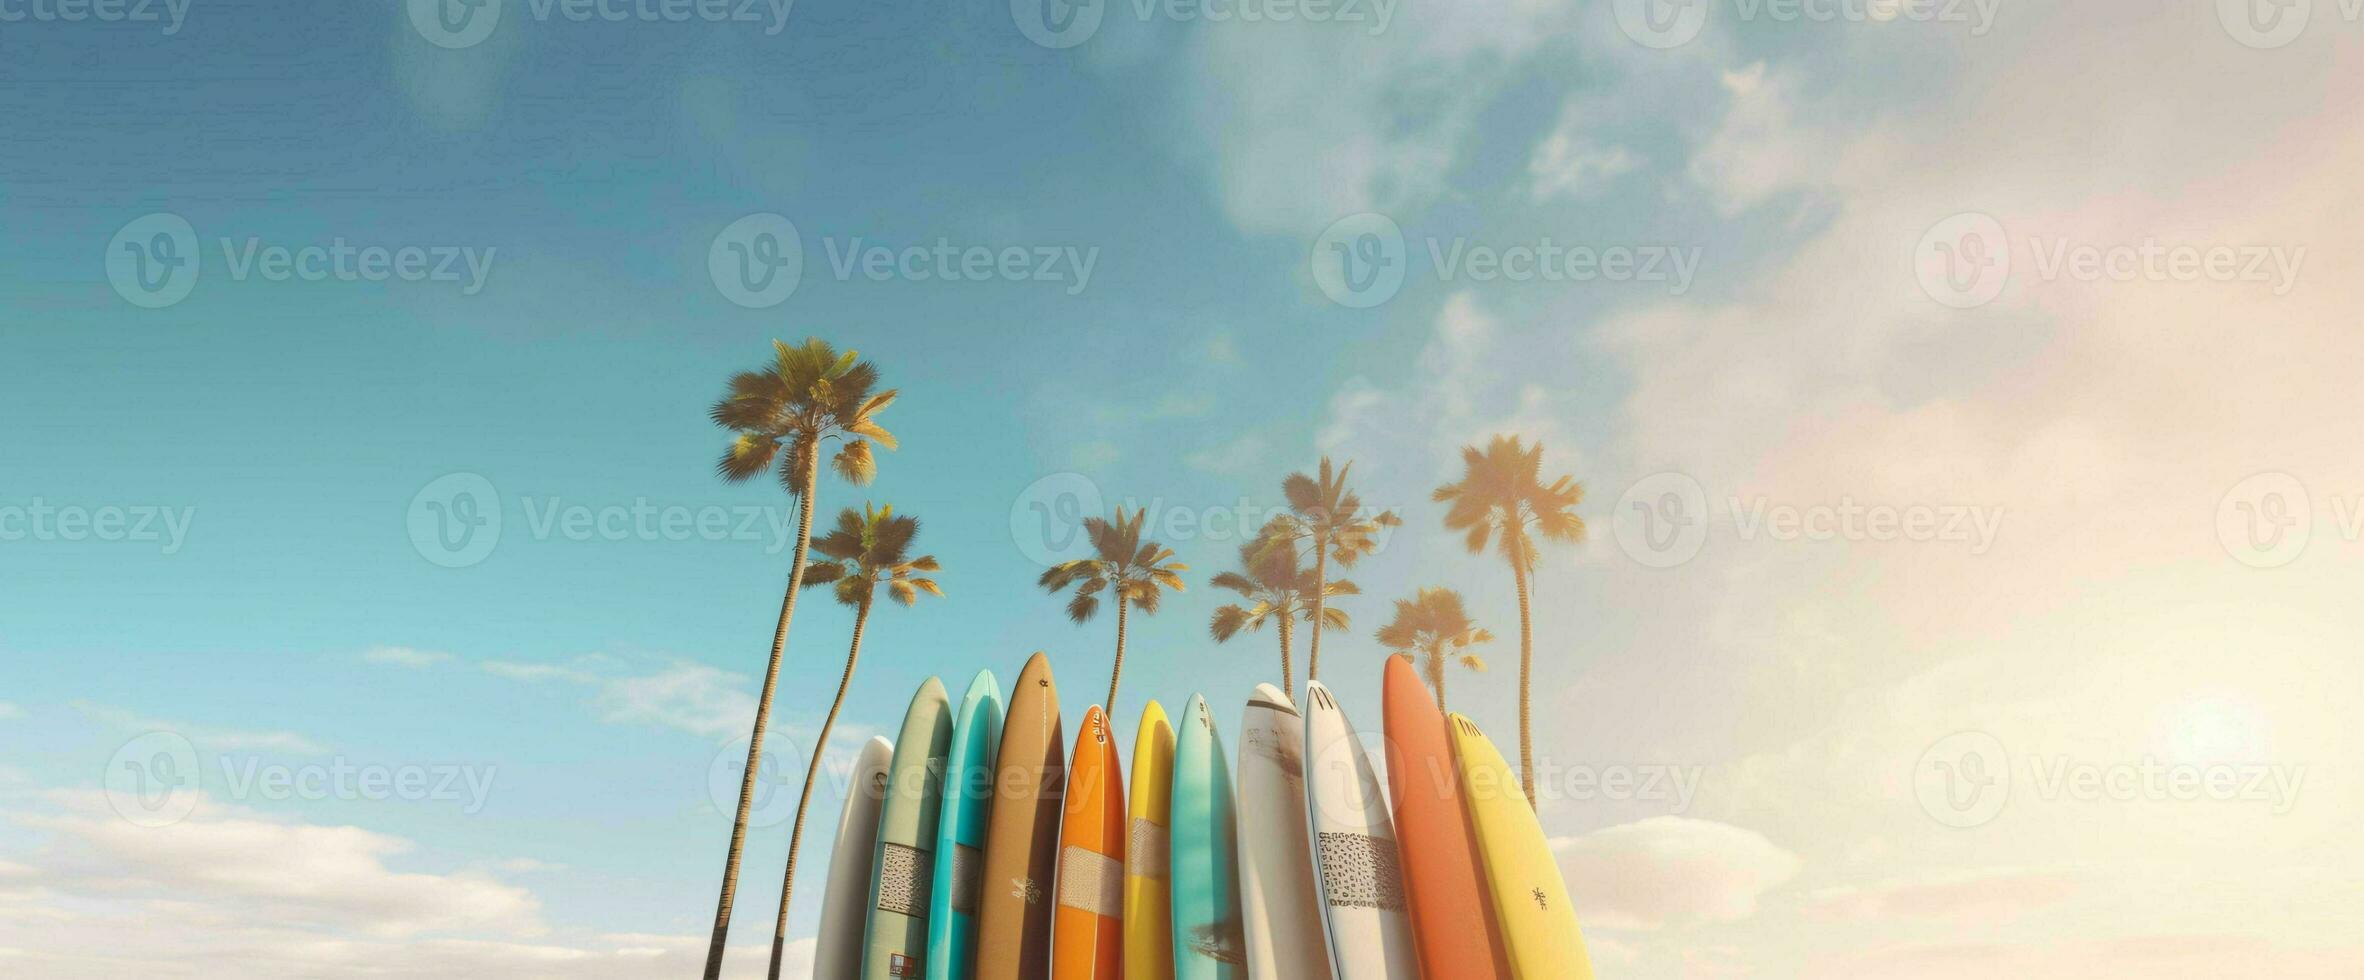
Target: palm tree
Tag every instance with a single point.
(809, 395)
(1135, 571)
(866, 549)
(1278, 588)
(1329, 519)
(1430, 624)
(1501, 497)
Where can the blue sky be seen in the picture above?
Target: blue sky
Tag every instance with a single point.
(1788, 165)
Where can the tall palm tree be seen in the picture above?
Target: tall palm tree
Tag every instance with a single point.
(867, 549)
(1135, 571)
(1434, 625)
(808, 396)
(1502, 498)
(1330, 520)
(1278, 588)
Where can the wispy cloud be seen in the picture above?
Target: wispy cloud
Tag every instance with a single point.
(214, 738)
(406, 657)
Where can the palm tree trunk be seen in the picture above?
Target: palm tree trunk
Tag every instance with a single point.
(1518, 572)
(1288, 680)
(1321, 588)
(796, 831)
(1436, 676)
(763, 714)
(1119, 670)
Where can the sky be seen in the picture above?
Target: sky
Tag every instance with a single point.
(1963, 394)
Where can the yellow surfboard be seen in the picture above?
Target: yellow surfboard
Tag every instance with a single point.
(1538, 921)
(1149, 921)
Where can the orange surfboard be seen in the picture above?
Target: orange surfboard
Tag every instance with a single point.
(1451, 919)
(1088, 933)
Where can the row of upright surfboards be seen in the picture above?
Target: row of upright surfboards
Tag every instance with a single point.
(975, 848)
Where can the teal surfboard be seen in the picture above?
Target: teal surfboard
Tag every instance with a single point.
(960, 832)
(1208, 940)
(897, 943)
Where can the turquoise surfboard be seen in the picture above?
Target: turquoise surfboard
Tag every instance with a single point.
(1204, 876)
(960, 832)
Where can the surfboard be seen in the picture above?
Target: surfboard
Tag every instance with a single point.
(1358, 869)
(837, 952)
(1539, 932)
(1452, 922)
(1087, 934)
(897, 943)
(1149, 921)
(960, 832)
(1204, 871)
(1022, 832)
(1282, 911)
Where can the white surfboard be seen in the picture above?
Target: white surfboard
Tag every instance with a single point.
(1358, 868)
(845, 901)
(1277, 895)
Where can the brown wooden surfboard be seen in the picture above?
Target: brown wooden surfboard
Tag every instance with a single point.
(1022, 839)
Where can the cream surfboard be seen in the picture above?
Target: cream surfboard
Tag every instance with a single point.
(1281, 909)
(837, 954)
(897, 944)
(1358, 868)
(1203, 873)
(1539, 932)
(1022, 839)
(960, 832)
(1149, 920)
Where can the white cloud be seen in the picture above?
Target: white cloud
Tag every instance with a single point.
(1977, 895)
(1665, 871)
(241, 865)
(9, 711)
(694, 698)
(1759, 149)
(1236, 456)
(1305, 123)
(406, 657)
(218, 739)
(1571, 164)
